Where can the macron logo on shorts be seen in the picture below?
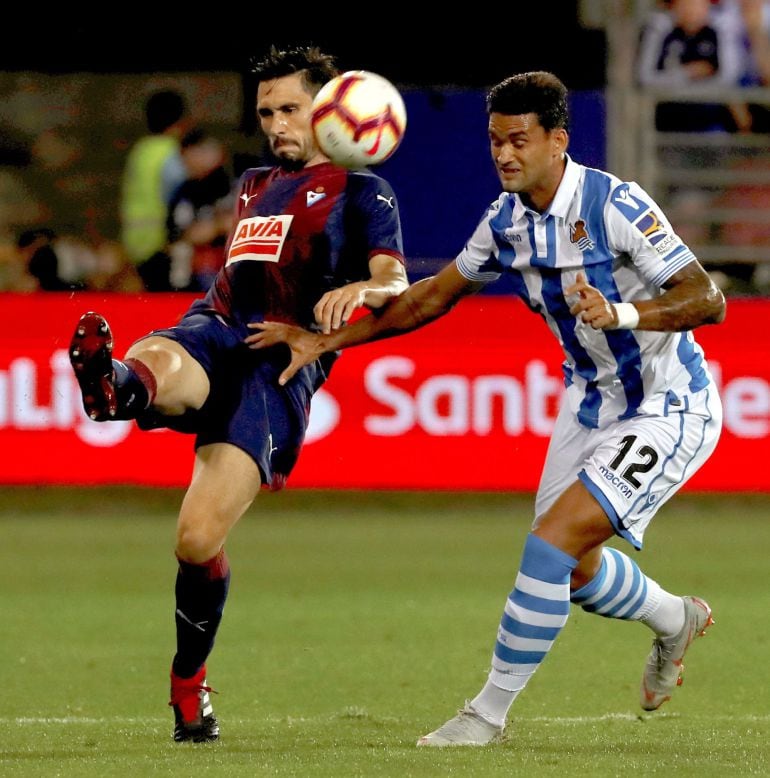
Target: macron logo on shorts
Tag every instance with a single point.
(259, 238)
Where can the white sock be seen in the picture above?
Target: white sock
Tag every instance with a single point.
(668, 618)
(493, 703)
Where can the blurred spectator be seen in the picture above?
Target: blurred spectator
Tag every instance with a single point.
(38, 250)
(109, 270)
(153, 172)
(14, 270)
(752, 17)
(751, 20)
(41, 260)
(685, 44)
(200, 213)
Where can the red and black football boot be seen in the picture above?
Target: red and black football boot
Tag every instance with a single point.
(194, 717)
(91, 359)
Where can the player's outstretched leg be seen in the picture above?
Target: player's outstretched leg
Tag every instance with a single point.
(664, 668)
(194, 718)
(111, 389)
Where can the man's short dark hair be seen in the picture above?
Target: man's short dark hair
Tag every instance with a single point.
(316, 67)
(538, 92)
(164, 109)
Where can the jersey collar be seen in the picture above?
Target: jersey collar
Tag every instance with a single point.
(561, 201)
(566, 191)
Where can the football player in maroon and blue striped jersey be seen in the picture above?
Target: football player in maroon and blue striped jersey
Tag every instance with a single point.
(312, 243)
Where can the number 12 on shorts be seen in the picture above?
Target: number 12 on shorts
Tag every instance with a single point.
(647, 459)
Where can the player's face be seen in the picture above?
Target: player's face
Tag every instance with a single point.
(284, 110)
(529, 160)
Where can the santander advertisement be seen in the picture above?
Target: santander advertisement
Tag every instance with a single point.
(467, 402)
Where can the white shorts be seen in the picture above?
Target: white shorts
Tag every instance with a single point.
(633, 466)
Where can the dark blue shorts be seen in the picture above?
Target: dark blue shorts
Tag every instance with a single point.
(246, 406)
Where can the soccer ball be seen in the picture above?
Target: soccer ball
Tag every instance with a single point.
(358, 119)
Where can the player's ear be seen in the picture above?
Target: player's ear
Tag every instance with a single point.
(560, 140)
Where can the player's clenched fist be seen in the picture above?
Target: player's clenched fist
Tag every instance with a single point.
(592, 306)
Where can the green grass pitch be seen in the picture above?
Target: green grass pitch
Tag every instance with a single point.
(356, 623)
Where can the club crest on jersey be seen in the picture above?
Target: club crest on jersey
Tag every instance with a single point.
(313, 197)
(578, 234)
(259, 238)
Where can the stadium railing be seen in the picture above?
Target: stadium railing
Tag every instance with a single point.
(714, 185)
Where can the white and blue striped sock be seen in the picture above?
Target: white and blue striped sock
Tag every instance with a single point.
(535, 612)
(620, 590)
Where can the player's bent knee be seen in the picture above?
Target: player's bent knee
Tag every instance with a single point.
(198, 544)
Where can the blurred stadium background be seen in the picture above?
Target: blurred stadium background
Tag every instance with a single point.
(398, 424)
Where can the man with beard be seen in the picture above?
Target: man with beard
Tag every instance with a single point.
(312, 243)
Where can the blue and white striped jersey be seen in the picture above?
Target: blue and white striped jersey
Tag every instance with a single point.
(617, 235)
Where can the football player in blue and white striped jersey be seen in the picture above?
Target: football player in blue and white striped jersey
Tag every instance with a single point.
(596, 258)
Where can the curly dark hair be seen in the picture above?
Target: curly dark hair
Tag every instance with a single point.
(538, 92)
(316, 67)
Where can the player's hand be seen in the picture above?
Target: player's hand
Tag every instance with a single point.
(592, 306)
(337, 306)
(305, 346)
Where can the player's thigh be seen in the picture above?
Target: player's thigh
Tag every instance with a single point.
(642, 462)
(224, 484)
(568, 448)
(182, 382)
(576, 523)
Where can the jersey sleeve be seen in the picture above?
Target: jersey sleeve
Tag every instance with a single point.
(637, 226)
(377, 206)
(478, 260)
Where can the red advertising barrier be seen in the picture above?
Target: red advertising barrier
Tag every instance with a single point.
(465, 403)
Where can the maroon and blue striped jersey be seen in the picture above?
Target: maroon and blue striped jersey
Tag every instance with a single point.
(299, 234)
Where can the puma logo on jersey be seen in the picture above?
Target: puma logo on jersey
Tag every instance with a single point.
(246, 199)
(387, 200)
(579, 234)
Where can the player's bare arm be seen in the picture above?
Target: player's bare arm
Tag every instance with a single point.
(691, 299)
(421, 303)
(388, 280)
